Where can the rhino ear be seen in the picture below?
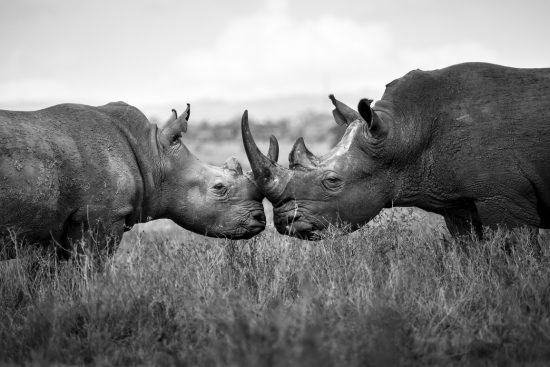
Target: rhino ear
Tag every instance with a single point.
(343, 114)
(340, 120)
(377, 128)
(175, 127)
(232, 164)
(172, 118)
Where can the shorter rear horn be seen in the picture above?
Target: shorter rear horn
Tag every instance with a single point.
(301, 157)
(273, 152)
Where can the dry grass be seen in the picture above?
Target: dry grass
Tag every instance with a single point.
(387, 295)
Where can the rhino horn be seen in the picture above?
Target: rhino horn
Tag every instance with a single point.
(343, 114)
(300, 156)
(273, 152)
(270, 177)
(175, 126)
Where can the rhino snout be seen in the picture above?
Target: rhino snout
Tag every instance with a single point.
(294, 225)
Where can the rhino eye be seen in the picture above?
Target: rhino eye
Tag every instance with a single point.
(175, 139)
(332, 183)
(220, 188)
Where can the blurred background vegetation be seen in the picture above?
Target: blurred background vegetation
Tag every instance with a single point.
(215, 141)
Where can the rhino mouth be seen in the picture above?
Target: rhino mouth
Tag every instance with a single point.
(299, 226)
(303, 231)
(254, 224)
(302, 224)
(257, 220)
(245, 225)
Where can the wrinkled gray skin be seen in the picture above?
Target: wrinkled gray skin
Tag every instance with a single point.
(72, 167)
(470, 142)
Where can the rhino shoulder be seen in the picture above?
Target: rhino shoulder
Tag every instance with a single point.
(130, 121)
(422, 81)
(414, 90)
(68, 114)
(118, 103)
(126, 114)
(420, 89)
(414, 79)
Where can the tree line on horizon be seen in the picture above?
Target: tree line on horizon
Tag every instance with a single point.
(311, 125)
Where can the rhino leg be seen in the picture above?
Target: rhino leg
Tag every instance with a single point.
(543, 238)
(90, 233)
(463, 224)
(499, 211)
(537, 241)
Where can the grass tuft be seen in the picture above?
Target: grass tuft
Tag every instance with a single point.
(388, 294)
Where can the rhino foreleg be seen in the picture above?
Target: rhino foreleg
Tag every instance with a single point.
(463, 224)
(92, 235)
(501, 212)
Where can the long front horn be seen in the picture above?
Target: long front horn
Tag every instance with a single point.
(269, 176)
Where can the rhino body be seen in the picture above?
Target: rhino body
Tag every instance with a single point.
(70, 168)
(478, 144)
(470, 142)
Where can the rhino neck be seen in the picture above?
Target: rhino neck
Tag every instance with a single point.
(424, 184)
(149, 163)
(408, 186)
(412, 152)
(146, 154)
(141, 137)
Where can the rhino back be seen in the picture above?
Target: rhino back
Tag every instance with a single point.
(484, 130)
(60, 161)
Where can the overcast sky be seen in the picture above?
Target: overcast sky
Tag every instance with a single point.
(160, 54)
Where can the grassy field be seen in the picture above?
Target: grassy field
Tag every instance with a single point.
(394, 293)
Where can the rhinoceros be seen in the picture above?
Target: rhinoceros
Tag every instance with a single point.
(470, 142)
(73, 169)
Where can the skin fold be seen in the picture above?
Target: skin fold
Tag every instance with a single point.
(70, 171)
(470, 142)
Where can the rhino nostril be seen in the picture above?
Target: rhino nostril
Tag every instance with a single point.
(259, 216)
(294, 218)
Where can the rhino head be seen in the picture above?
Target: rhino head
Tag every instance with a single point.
(206, 199)
(345, 187)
